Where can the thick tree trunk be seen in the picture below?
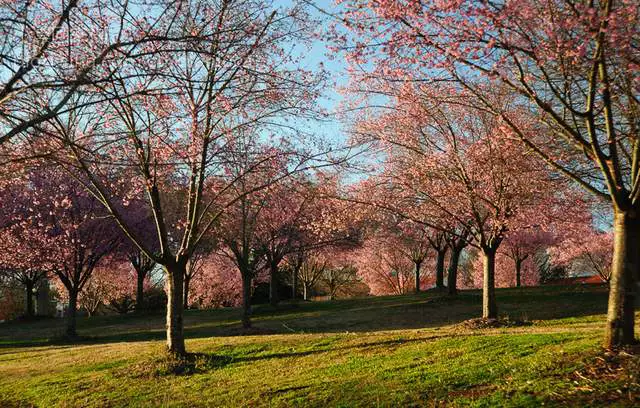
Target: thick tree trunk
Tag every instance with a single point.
(246, 301)
(140, 291)
(72, 311)
(273, 286)
(417, 269)
(452, 273)
(440, 268)
(518, 272)
(185, 303)
(625, 270)
(175, 309)
(489, 307)
(30, 310)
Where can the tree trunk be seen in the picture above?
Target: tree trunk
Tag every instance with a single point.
(305, 292)
(440, 268)
(185, 303)
(417, 269)
(246, 301)
(72, 311)
(518, 272)
(625, 270)
(489, 307)
(273, 286)
(140, 291)
(30, 310)
(294, 284)
(452, 273)
(175, 311)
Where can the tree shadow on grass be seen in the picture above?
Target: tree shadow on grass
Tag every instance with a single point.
(196, 363)
(426, 310)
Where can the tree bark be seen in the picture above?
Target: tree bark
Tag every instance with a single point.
(294, 284)
(72, 311)
(30, 310)
(305, 292)
(440, 268)
(140, 291)
(452, 273)
(518, 272)
(185, 303)
(246, 301)
(489, 307)
(625, 271)
(273, 286)
(417, 269)
(175, 311)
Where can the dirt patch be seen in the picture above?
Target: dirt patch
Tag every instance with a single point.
(472, 392)
(251, 331)
(612, 378)
(168, 365)
(482, 323)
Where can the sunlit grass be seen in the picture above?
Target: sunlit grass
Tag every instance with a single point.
(365, 352)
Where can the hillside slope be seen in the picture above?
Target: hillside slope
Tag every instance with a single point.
(386, 351)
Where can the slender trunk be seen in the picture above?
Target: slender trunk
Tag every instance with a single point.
(72, 311)
(518, 272)
(625, 270)
(246, 301)
(452, 273)
(175, 311)
(417, 269)
(140, 291)
(273, 286)
(305, 292)
(440, 268)
(489, 308)
(294, 284)
(185, 303)
(30, 310)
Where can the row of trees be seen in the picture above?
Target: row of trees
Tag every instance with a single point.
(169, 129)
(508, 81)
(178, 110)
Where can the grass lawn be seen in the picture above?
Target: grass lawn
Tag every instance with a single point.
(385, 351)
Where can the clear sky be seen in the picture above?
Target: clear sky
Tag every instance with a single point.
(331, 128)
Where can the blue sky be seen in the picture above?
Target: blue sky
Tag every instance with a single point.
(319, 53)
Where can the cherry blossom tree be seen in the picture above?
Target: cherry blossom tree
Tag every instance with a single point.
(309, 269)
(61, 230)
(281, 227)
(142, 265)
(573, 68)
(523, 245)
(459, 162)
(338, 279)
(54, 51)
(218, 284)
(384, 265)
(169, 135)
(457, 240)
(20, 246)
(588, 251)
(438, 242)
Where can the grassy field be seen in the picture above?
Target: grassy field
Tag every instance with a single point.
(387, 351)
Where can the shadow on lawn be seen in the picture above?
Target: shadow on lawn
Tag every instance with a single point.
(425, 310)
(194, 363)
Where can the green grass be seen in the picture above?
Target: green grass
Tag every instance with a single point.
(386, 351)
